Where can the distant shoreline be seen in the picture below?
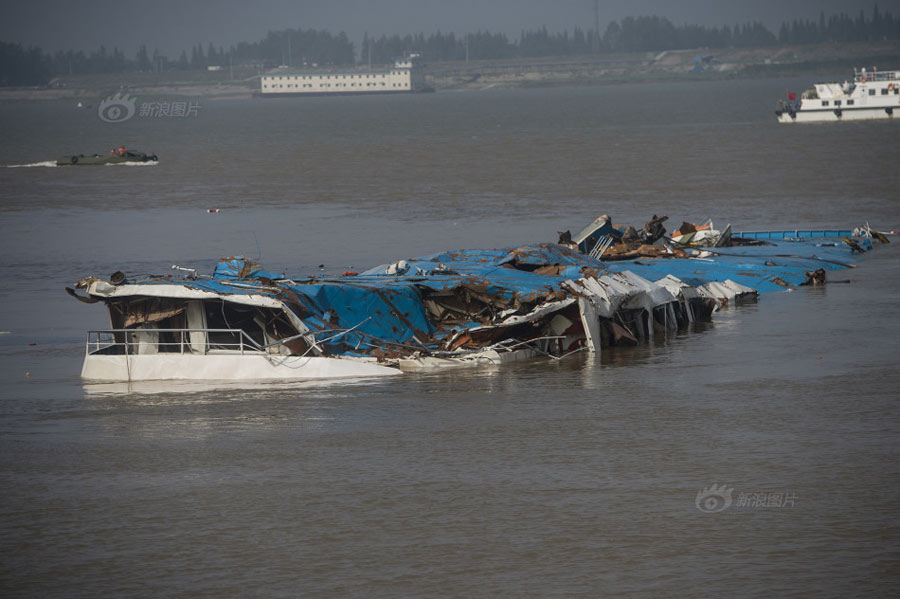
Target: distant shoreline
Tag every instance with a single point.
(827, 60)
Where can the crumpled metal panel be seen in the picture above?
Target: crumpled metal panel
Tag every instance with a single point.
(393, 314)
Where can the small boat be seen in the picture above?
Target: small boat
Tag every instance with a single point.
(114, 157)
(870, 95)
(450, 309)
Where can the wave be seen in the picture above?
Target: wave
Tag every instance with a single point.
(33, 164)
(52, 163)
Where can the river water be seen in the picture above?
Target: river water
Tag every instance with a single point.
(583, 477)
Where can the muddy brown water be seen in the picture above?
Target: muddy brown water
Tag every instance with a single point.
(584, 477)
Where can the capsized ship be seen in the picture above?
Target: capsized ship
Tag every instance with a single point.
(870, 95)
(606, 286)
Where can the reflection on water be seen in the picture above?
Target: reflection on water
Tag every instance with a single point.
(552, 477)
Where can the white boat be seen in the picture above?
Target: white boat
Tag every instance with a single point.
(870, 95)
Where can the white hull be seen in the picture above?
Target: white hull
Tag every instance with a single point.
(829, 116)
(225, 367)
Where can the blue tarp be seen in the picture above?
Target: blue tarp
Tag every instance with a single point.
(382, 308)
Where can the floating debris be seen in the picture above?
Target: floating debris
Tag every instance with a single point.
(606, 286)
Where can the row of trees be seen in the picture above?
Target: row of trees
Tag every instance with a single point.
(634, 34)
(841, 28)
(298, 47)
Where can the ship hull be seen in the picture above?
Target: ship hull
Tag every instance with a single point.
(834, 115)
(225, 367)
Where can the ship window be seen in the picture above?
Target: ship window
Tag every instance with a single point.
(824, 102)
(871, 92)
(896, 91)
(884, 91)
(850, 102)
(837, 102)
(230, 316)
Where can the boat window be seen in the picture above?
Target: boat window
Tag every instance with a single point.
(837, 102)
(225, 315)
(871, 92)
(896, 91)
(824, 102)
(850, 102)
(884, 91)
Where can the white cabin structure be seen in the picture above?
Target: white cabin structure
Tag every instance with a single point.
(407, 75)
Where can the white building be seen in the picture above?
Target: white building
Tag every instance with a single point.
(405, 76)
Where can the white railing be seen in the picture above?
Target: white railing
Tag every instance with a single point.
(137, 341)
(603, 243)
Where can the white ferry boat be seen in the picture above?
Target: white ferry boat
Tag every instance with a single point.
(407, 75)
(871, 95)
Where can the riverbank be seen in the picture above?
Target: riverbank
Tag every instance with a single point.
(825, 60)
(240, 82)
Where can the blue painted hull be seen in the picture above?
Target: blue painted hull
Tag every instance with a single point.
(794, 234)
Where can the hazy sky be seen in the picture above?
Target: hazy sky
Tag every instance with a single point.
(176, 25)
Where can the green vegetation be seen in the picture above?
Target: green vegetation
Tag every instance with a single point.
(297, 47)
